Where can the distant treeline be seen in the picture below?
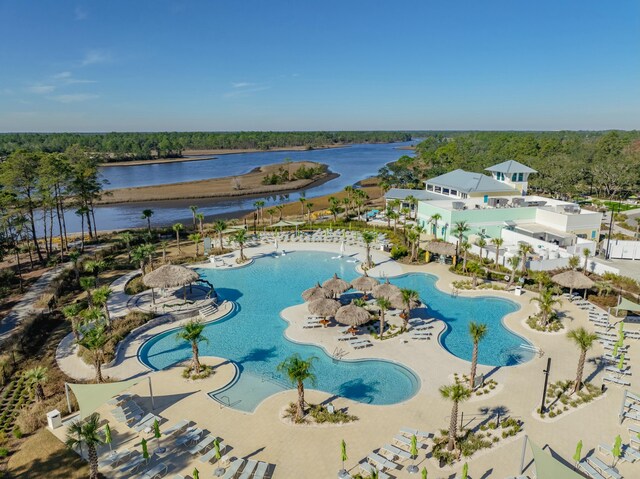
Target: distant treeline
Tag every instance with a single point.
(569, 163)
(143, 146)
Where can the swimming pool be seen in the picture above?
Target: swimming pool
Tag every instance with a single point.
(253, 335)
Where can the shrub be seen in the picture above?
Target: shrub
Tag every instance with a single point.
(135, 286)
(4, 452)
(399, 251)
(17, 433)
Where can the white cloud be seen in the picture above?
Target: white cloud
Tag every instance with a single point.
(93, 57)
(41, 89)
(62, 76)
(80, 14)
(74, 97)
(243, 84)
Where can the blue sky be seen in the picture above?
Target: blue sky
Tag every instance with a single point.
(307, 65)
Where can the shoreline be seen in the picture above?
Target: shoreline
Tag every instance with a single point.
(219, 189)
(201, 155)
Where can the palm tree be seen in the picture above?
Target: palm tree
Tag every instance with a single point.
(475, 269)
(347, 205)
(87, 434)
(584, 340)
(94, 267)
(192, 333)
(177, 228)
(524, 250)
(460, 228)
(586, 252)
(368, 237)
(87, 284)
(240, 237)
(481, 243)
(393, 215)
(456, 393)
(139, 255)
(279, 208)
(74, 256)
(219, 226)
(334, 207)
(546, 300)
(195, 237)
(146, 215)
(574, 261)
(194, 210)
(514, 261)
(259, 206)
(200, 217)
(309, 211)
(409, 296)
(497, 242)
(94, 341)
(271, 212)
(542, 278)
(72, 313)
(413, 202)
(412, 237)
(127, 238)
(36, 377)
(298, 371)
(384, 304)
(464, 248)
(302, 201)
(100, 298)
(434, 222)
(477, 331)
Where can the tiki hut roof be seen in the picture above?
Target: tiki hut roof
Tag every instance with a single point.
(170, 276)
(397, 302)
(317, 292)
(336, 285)
(324, 307)
(573, 279)
(352, 315)
(385, 290)
(441, 247)
(364, 283)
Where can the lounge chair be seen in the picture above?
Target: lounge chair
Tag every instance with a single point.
(202, 445)
(261, 470)
(178, 476)
(619, 382)
(133, 463)
(406, 441)
(248, 469)
(396, 452)
(407, 431)
(381, 462)
(368, 469)
(628, 454)
(146, 422)
(114, 459)
(233, 469)
(633, 396)
(189, 436)
(156, 472)
(611, 369)
(603, 468)
(212, 453)
(179, 426)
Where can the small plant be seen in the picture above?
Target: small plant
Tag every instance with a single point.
(17, 433)
(4, 452)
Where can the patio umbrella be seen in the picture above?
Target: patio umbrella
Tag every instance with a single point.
(364, 283)
(343, 457)
(352, 315)
(170, 276)
(145, 452)
(107, 435)
(615, 349)
(578, 455)
(573, 280)
(413, 450)
(385, 290)
(324, 307)
(621, 362)
(196, 473)
(157, 434)
(465, 470)
(216, 446)
(424, 473)
(616, 452)
(317, 292)
(336, 285)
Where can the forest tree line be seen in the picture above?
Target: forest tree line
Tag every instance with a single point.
(144, 146)
(569, 164)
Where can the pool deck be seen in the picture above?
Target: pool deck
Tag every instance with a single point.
(264, 436)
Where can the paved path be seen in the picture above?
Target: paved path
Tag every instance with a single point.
(27, 305)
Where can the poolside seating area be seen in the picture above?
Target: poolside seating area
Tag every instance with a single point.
(184, 441)
(349, 237)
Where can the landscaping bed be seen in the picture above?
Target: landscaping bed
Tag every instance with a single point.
(318, 414)
(559, 401)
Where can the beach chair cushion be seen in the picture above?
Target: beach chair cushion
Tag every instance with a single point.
(156, 472)
(248, 469)
(233, 469)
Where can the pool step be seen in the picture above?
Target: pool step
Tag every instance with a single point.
(208, 311)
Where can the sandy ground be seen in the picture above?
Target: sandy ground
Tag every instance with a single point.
(251, 184)
(199, 155)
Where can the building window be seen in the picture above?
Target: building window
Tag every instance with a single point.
(445, 191)
(463, 196)
(520, 176)
(437, 189)
(593, 234)
(429, 187)
(514, 177)
(454, 192)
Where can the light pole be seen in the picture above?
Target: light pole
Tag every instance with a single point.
(546, 381)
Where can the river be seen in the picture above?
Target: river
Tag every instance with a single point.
(352, 163)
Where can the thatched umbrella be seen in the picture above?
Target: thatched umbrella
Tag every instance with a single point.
(170, 276)
(317, 292)
(364, 283)
(336, 285)
(397, 302)
(353, 315)
(573, 280)
(441, 248)
(386, 290)
(324, 307)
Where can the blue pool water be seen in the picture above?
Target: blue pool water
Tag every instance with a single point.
(253, 335)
